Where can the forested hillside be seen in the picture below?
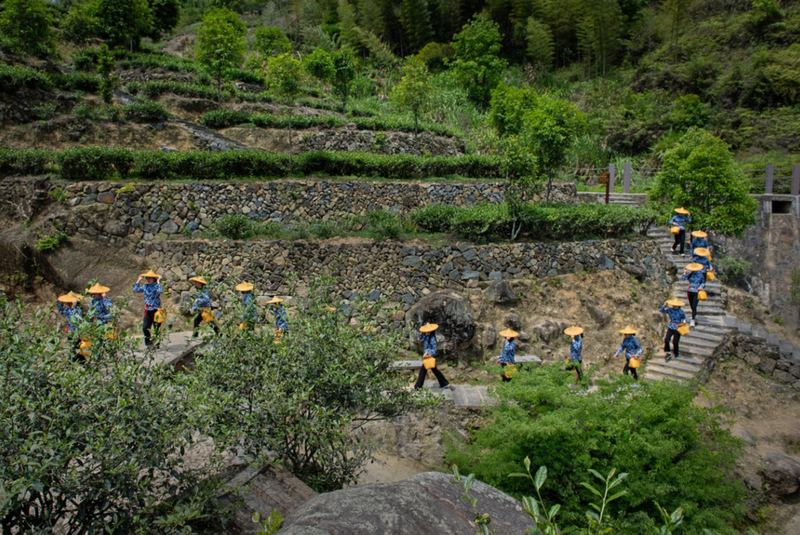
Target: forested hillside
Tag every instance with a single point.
(642, 72)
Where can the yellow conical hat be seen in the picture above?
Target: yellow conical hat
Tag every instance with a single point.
(150, 273)
(628, 330)
(98, 289)
(428, 328)
(508, 333)
(201, 280)
(244, 287)
(573, 331)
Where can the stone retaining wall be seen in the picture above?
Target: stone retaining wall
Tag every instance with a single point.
(781, 361)
(147, 212)
(400, 273)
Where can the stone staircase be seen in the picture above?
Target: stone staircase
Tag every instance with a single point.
(627, 199)
(712, 321)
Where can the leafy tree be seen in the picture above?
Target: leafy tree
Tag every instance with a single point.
(548, 131)
(347, 24)
(700, 174)
(372, 18)
(305, 399)
(676, 12)
(271, 41)
(413, 92)
(221, 43)
(166, 15)
(477, 64)
(284, 75)
(86, 448)
(319, 65)
(540, 43)
(656, 432)
(25, 28)
(105, 68)
(599, 31)
(344, 72)
(508, 107)
(121, 23)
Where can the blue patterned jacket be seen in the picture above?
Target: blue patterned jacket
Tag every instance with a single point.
(699, 242)
(73, 314)
(428, 343)
(630, 346)
(152, 294)
(575, 349)
(704, 261)
(201, 300)
(676, 316)
(250, 313)
(281, 320)
(679, 221)
(509, 351)
(697, 280)
(100, 309)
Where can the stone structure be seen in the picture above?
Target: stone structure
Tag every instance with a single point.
(351, 140)
(144, 212)
(776, 358)
(772, 247)
(400, 273)
(427, 503)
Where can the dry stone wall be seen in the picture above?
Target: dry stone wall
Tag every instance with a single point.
(148, 212)
(775, 358)
(397, 272)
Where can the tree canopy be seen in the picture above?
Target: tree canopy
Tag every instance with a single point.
(700, 174)
(25, 28)
(221, 42)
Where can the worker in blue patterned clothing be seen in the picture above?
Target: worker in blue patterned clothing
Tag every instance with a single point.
(632, 349)
(679, 221)
(202, 306)
(100, 307)
(152, 291)
(427, 335)
(250, 314)
(575, 361)
(702, 256)
(695, 274)
(68, 307)
(677, 317)
(699, 240)
(507, 357)
(281, 320)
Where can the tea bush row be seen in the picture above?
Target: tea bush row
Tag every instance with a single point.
(97, 163)
(555, 222)
(228, 118)
(15, 77)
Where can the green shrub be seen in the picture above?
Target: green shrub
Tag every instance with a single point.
(148, 112)
(23, 162)
(480, 223)
(86, 60)
(731, 270)
(102, 112)
(228, 118)
(94, 163)
(52, 242)
(235, 227)
(384, 225)
(13, 78)
(324, 230)
(76, 81)
(434, 218)
(656, 431)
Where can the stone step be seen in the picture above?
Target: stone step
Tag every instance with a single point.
(696, 351)
(696, 341)
(675, 364)
(656, 376)
(694, 361)
(668, 371)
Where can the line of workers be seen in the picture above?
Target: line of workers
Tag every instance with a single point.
(696, 273)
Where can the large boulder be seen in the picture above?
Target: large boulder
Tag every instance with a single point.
(549, 330)
(450, 311)
(426, 503)
(501, 293)
(781, 471)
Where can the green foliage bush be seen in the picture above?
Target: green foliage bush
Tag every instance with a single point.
(52, 242)
(555, 222)
(76, 81)
(14, 77)
(675, 452)
(148, 112)
(23, 162)
(94, 163)
(731, 270)
(235, 227)
(228, 118)
(434, 217)
(384, 225)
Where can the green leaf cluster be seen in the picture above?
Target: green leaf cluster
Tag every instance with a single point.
(221, 42)
(477, 63)
(25, 28)
(674, 451)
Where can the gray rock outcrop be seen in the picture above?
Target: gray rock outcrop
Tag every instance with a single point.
(426, 503)
(448, 309)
